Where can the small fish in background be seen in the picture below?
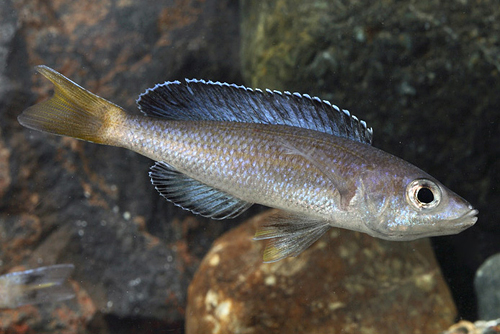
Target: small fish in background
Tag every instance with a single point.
(220, 148)
(35, 286)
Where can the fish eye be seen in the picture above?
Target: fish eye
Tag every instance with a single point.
(423, 194)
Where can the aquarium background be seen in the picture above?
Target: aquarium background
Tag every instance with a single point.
(424, 75)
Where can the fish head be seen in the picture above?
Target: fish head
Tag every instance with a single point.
(417, 207)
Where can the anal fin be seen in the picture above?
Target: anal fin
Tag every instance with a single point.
(193, 195)
(289, 235)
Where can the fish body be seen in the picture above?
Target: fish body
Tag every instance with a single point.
(261, 163)
(35, 286)
(220, 148)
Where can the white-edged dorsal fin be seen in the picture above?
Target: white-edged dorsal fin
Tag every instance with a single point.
(215, 101)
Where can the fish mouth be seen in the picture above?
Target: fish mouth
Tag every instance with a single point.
(467, 219)
(449, 227)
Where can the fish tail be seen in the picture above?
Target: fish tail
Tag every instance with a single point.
(41, 285)
(72, 111)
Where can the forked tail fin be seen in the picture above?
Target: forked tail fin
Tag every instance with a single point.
(72, 111)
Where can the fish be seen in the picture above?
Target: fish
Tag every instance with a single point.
(219, 148)
(35, 286)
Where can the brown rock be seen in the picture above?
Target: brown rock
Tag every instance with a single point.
(347, 282)
(66, 201)
(70, 316)
(423, 74)
(478, 327)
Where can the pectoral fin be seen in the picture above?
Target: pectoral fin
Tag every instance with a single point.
(344, 186)
(289, 235)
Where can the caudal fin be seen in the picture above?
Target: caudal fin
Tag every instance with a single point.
(41, 285)
(72, 111)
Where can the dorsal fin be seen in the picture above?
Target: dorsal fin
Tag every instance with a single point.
(215, 101)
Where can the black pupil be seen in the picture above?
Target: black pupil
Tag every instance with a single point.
(425, 195)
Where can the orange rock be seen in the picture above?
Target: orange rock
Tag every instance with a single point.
(70, 316)
(346, 282)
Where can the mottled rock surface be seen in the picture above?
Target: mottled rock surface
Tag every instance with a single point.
(347, 282)
(487, 285)
(68, 317)
(66, 201)
(424, 75)
(478, 327)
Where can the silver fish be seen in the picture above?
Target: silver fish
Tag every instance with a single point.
(35, 286)
(220, 148)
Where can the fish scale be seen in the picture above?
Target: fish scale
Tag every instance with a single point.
(201, 150)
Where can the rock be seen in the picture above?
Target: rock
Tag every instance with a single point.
(487, 285)
(63, 200)
(478, 327)
(463, 326)
(146, 285)
(424, 75)
(70, 316)
(347, 282)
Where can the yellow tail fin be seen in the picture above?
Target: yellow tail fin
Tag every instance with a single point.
(72, 111)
